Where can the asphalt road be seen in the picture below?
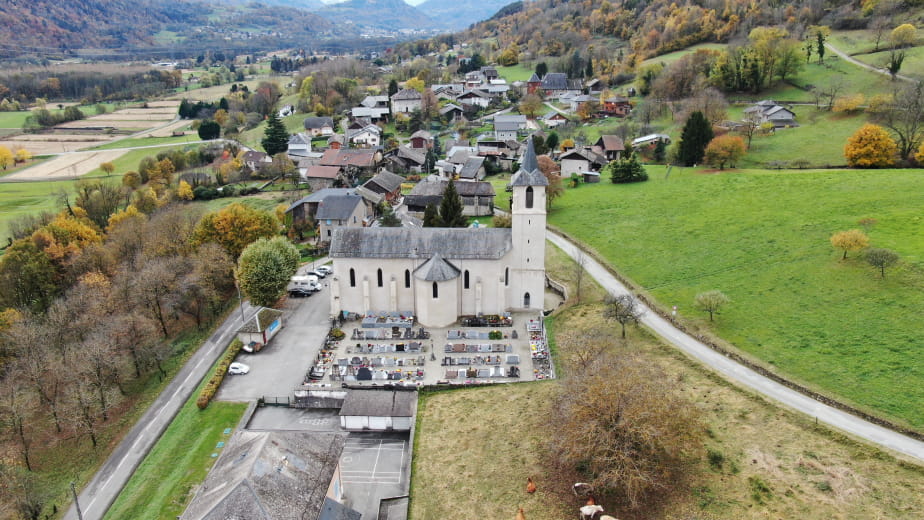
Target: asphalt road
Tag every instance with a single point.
(105, 486)
(281, 365)
(733, 371)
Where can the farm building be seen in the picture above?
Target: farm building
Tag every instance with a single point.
(378, 410)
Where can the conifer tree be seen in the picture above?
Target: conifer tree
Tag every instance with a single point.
(451, 208)
(697, 133)
(276, 138)
(431, 216)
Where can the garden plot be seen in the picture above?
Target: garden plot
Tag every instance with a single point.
(66, 166)
(53, 144)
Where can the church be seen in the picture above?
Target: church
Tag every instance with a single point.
(439, 274)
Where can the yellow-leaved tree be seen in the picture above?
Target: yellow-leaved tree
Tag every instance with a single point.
(416, 84)
(235, 226)
(724, 149)
(6, 157)
(184, 191)
(850, 240)
(22, 155)
(870, 147)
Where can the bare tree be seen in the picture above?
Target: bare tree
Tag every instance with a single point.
(624, 428)
(904, 117)
(22, 489)
(15, 408)
(583, 348)
(81, 409)
(580, 269)
(624, 309)
(711, 301)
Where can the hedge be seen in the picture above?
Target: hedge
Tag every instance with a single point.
(211, 388)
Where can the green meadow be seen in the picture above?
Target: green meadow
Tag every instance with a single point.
(762, 238)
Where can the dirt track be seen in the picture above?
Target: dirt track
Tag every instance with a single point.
(54, 144)
(66, 166)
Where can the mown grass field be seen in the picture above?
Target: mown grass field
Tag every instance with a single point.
(18, 199)
(148, 141)
(518, 72)
(165, 481)
(810, 472)
(763, 239)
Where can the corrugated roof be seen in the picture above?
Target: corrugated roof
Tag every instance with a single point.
(451, 243)
(338, 207)
(379, 403)
(436, 269)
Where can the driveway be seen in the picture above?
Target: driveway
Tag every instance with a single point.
(281, 365)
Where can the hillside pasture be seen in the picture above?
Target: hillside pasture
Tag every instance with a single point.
(763, 239)
(671, 57)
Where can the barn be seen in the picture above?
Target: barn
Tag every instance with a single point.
(378, 410)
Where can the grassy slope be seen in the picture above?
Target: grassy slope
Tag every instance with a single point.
(812, 473)
(25, 198)
(165, 481)
(762, 238)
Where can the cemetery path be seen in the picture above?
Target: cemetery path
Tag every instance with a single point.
(744, 376)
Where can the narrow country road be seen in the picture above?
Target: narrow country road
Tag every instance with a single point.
(745, 376)
(105, 486)
(851, 59)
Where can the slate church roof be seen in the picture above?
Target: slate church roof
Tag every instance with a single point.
(453, 243)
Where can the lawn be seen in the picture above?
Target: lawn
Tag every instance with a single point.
(18, 199)
(497, 436)
(131, 159)
(762, 238)
(147, 141)
(166, 480)
(671, 57)
(913, 64)
(518, 72)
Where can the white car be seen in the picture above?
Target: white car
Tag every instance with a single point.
(238, 369)
(326, 269)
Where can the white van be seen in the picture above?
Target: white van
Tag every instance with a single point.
(309, 283)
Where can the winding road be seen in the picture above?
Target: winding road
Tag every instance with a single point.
(843, 55)
(742, 375)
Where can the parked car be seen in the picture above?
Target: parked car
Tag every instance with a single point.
(238, 369)
(299, 292)
(326, 269)
(314, 286)
(252, 347)
(319, 274)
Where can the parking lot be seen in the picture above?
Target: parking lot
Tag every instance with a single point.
(374, 466)
(281, 365)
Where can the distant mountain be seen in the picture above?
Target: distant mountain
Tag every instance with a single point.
(459, 14)
(389, 15)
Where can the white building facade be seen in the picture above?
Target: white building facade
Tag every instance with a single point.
(439, 274)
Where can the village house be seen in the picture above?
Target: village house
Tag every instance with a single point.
(373, 107)
(407, 159)
(421, 140)
(610, 146)
(477, 98)
(554, 118)
(616, 106)
(299, 146)
(338, 211)
(473, 169)
(384, 187)
(255, 160)
(439, 274)
(556, 84)
(505, 130)
(317, 126)
(452, 112)
(352, 162)
(406, 101)
(319, 177)
(306, 208)
(477, 197)
(578, 160)
(368, 136)
(650, 140)
(768, 111)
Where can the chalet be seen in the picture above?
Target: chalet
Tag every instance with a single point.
(299, 146)
(406, 101)
(518, 119)
(489, 73)
(533, 84)
(316, 126)
(385, 186)
(421, 139)
(579, 160)
(576, 102)
(473, 79)
(306, 208)
(407, 159)
(256, 160)
(555, 84)
(319, 177)
(477, 197)
(337, 211)
(768, 111)
(505, 130)
(353, 161)
(373, 107)
(610, 146)
(554, 118)
(473, 169)
(617, 106)
(336, 141)
(369, 136)
(477, 98)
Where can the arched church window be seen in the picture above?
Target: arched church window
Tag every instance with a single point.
(529, 196)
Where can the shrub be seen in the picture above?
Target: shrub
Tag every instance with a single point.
(211, 388)
(336, 334)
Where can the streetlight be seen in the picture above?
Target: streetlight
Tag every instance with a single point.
(240, 299)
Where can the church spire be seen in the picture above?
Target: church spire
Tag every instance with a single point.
(529, 173)
(529, 162)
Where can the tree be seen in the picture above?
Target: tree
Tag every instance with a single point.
(881, 258)
(131, 179)
(392, 87)
(22, 155)
(724, 149)
(623, 309)
(903, 36)
(711, 302)
(624, 428)
(904, 117)
(27, 277)
(6, 157)
(541, 69)
(551, 142)
(100, 200)
(451, 208)
(416, 84)
(184, 191)
(431, 216)
(107, 167)
(625, 170)
(850, 240)
(531, 105)
(388, 217)
(265, 268)
(276, 137)
(209, 130)
(697, 132)
(235, 226)
(870, 147)
(896, 59)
